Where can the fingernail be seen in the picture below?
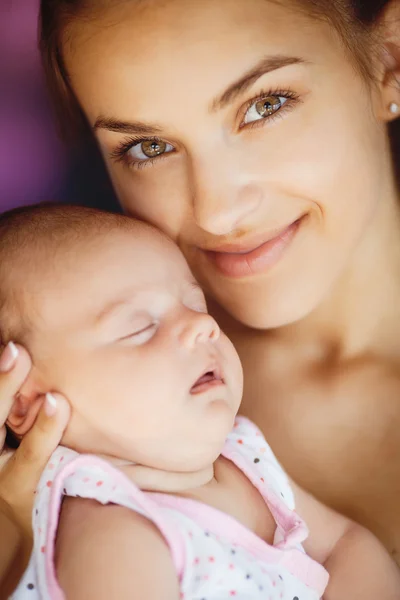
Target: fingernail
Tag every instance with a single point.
(8, 358)
(50, 405)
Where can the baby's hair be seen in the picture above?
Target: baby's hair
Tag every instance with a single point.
(35, 240)
(355, 21)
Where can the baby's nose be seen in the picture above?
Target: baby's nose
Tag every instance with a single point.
(199, 328)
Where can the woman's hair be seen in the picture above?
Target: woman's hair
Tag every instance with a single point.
(355, 20)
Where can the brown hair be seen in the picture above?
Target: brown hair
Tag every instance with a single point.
(33, 242)
(354, 19)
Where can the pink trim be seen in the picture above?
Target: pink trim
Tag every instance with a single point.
(171, 534)
(284, 553)
(220, 524)
(294, 528)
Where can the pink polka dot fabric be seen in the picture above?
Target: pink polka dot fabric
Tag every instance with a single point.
(215, 557)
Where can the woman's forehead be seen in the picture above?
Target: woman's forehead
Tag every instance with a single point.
(170, 45)
(171, 27)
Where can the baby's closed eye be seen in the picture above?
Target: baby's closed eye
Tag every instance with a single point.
(140, 333)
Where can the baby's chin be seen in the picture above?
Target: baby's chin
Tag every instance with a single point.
(200, 454)
(196, 449)
(183, 458)
(194, 460)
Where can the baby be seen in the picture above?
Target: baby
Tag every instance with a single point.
(114, 320)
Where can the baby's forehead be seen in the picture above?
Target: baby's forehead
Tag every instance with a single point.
(57, 259)
(131, 262)
(144, 259)
(136, 248)
(151, 252)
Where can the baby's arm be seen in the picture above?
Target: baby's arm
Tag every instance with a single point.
(108, 552)
(359, 566)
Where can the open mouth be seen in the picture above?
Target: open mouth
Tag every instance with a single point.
(211, 378)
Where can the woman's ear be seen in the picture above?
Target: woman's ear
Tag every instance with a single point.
(27, 404)
(390, 82)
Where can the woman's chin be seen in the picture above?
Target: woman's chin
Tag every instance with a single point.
(259, 306)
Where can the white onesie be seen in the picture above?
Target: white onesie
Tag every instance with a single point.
(215, 557)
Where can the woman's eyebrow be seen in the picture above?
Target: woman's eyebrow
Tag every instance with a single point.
(264, 66)
(132, 128)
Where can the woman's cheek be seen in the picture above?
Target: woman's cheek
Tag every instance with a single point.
(158, 195)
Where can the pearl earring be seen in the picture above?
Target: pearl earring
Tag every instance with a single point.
(394, 108)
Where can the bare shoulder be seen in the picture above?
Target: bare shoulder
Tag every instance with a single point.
(359, 412)
(112, 552)
(374, 389)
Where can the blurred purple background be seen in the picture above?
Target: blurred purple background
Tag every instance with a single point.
(35, 165)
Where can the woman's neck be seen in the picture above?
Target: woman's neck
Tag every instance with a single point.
(362, 311)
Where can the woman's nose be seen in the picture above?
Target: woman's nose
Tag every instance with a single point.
(198, 328)
(223, 197)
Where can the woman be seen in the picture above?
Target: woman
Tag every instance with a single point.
(254, 133)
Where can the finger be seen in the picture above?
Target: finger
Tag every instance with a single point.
(45, 435)
(4, 458)
(3, 434)
(38, 445)
(15, 365)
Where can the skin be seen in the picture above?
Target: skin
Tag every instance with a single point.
(142, 331)
(20, 471)
(117, 547)
(318, 332)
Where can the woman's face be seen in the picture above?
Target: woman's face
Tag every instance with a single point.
(243, 130)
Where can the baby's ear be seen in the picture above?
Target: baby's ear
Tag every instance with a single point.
(27, 404)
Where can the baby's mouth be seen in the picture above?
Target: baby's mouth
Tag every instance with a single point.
(210, 378)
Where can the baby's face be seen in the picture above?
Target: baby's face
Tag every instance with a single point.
(124, 333)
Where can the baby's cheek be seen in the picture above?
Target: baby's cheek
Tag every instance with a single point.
(232, 362)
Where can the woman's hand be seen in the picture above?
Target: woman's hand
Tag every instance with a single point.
(20, 470)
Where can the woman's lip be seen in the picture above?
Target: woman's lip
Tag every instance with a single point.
(242, 263)
(244, 247)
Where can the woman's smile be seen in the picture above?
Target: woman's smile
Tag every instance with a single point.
(248, 259)
(276, 148)
(253, 133)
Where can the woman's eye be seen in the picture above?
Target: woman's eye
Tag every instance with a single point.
(264, 108)
(148, 149)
